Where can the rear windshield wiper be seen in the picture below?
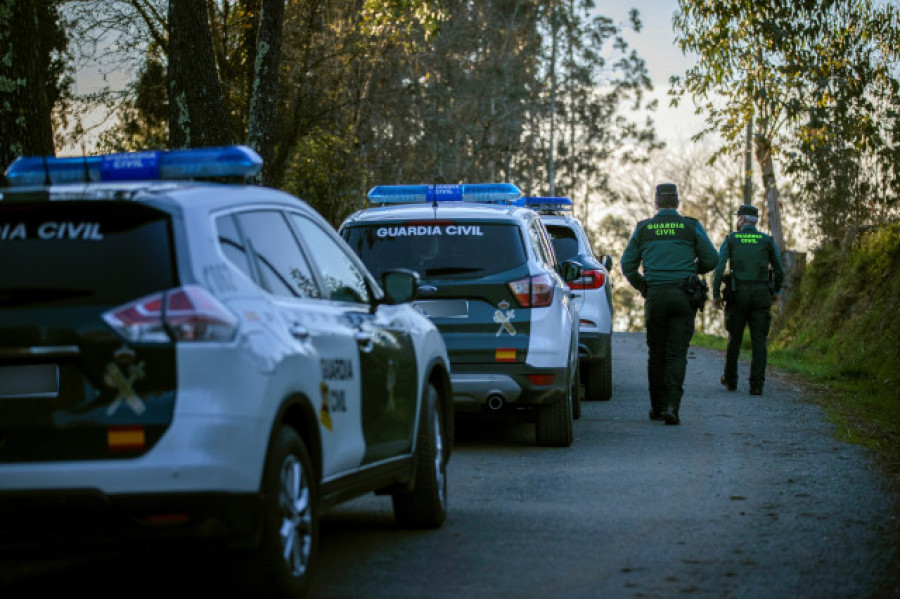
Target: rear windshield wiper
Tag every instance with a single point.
(451, 270)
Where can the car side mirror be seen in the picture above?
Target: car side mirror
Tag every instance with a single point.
(571, 270)
(399, 286)
(607, 262)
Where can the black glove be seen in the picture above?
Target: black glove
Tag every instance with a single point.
(643, 288)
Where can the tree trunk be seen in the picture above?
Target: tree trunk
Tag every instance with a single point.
(767, 169)
(25, 125)
(263, 101)
(196, 110)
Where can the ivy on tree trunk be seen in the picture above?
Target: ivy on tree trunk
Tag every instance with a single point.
(197, 115)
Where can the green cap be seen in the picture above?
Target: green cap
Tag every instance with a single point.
(667, 189)
(747, 210)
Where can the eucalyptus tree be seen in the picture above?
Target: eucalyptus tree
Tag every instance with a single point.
(594, 110)
(818, 80)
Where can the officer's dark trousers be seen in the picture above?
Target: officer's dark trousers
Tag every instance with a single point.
(670, 325)
(751, 307)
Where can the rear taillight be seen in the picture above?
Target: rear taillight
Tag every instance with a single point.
(533, 292)
(589, 279)
(187, 313)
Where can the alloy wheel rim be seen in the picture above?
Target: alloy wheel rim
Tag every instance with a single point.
(439, 457)
(296, 516)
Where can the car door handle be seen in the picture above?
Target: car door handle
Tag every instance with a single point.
(575, 295)
(298, 331)
(365, 340)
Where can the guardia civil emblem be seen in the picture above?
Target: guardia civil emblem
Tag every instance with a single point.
(503, 316)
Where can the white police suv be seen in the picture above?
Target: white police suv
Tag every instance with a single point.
(492, 284)
(592, 292)
(202, 360)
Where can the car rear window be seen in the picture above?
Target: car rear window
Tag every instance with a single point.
(565, 243)
(439, 249)
(90, 252)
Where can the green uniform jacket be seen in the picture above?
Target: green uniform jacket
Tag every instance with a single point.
(672, 247)
(751, 253)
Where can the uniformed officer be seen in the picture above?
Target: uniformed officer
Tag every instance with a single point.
(749, 296)
(672, 248)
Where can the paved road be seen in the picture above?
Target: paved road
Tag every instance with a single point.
(748, 497)
(751, 497)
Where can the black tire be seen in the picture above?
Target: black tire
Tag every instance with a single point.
(425, 505)
(553, 427)
(576, 393)
(593, 381)
(606, 379)
(283, 563)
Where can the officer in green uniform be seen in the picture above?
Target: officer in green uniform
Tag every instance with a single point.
(672, 249)
(749, 294)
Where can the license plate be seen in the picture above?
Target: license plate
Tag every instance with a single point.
(32, 380)
(444, 308)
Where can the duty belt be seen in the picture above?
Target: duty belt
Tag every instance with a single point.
(678, 284)
(752, 282)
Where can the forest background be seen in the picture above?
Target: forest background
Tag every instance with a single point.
(799, 104)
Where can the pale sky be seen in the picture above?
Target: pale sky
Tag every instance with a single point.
(656, 45)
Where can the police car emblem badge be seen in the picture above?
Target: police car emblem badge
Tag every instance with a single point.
(124, 385)
(503, 317)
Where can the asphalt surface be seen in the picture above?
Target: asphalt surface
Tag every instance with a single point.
(750, 497)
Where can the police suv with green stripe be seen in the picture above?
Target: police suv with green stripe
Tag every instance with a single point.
(491, 282)
(592, 292)
(204, 360)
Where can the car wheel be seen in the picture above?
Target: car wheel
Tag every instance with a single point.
(425, 506)
(576, 393)
(606, 378)
(284, 559)
(554, 423)
(593, 380)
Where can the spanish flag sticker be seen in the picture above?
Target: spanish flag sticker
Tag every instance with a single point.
(125, 438)
(505, 355)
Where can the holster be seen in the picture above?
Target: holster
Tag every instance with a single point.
(698, 291)
(729, 282)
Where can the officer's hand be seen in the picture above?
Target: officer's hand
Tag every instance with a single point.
(774, 299)
(718, 303)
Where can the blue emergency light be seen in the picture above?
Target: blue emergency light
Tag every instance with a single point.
(500, 193)
(197, 163)
(548, 204)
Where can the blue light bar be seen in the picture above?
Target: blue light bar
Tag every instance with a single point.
(500, 193)
(548, 204)
(225, 161)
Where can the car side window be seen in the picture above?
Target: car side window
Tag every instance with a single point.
(565, 242)
(539, 240)
(344, 280)
(232, 245)
(283, 269)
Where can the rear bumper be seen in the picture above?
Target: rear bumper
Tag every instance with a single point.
(490, 388)
(593, 346)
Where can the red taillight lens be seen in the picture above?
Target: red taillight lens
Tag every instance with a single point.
(533, 292)
(191, 314)
(589, 279)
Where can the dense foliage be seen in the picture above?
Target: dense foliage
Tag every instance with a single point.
(540, 93)
(818, 81)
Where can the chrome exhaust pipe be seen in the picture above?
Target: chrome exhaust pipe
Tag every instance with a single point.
(495, 402)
